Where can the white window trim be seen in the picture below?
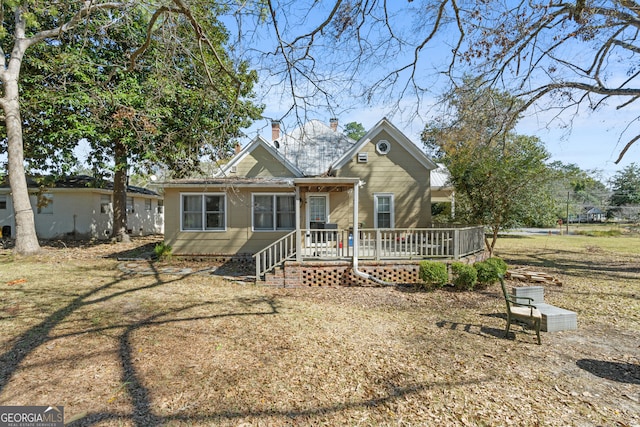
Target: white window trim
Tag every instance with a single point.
(275, 213)
(203, 229)
(379, 150)
(375, 209)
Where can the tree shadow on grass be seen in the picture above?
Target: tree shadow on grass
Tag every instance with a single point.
(573, 263)
(471, 328)
(615, 371)
(40, 334)
(296, 416)
(483, 330)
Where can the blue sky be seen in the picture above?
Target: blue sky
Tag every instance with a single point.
(591, 140)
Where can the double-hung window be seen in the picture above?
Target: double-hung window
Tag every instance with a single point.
(383, 207)
(130, 206)
(203, 212)
(273, 212)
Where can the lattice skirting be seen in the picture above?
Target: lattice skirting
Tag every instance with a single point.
(340, 273)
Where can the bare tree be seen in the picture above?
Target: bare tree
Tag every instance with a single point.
(559, 55)
(565, 58)
(345, 54)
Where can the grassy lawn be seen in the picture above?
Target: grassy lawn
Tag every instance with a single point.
(116, 348)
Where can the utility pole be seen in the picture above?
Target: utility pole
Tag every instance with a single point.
(567, 213)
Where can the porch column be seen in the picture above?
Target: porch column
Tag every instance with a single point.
(298, 232)
(356, 242)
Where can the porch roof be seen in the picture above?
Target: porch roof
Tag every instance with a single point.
(326, 183)
(229, 182)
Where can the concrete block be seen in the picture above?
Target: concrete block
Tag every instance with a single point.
(535, 292)
(556, 319)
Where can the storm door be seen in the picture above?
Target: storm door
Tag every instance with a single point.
(317, 214)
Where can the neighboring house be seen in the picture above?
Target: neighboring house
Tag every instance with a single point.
(596, 215)
(74, 207)
(442, 190)
(591, 214)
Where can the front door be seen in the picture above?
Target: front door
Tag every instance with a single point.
(317, 212)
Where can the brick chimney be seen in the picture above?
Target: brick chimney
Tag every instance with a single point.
(275, 129)
(333, 122)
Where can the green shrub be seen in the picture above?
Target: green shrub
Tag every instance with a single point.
(433, 273)
(499, 263)
(464, 276)
(490, 270)
(163, 251)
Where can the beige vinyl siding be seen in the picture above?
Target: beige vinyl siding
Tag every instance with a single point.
(260, 163)
(237, 238)
(397, 172)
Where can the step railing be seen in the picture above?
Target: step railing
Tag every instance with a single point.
(275, 254)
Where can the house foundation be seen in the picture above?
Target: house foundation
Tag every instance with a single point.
(340, 273)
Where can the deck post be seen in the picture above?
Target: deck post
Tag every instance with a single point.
(456, 243)
(356, 241)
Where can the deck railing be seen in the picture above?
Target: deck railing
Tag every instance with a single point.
(397, 243)
(374, 244)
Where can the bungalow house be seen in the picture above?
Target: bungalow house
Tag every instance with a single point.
(314, 195)
(78, 207)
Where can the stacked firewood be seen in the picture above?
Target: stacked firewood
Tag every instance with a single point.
(528, 275)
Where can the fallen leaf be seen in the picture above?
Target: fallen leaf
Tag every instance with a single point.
(17, 282)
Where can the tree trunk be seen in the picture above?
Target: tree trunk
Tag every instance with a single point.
(490, 245)
(120, 193)
(26, 238)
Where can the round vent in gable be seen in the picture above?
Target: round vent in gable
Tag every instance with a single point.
(383, 146)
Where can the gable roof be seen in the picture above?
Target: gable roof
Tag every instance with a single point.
(395, 133)
(255, 143)
(314, 149)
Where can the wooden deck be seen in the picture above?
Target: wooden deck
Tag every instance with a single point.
(373, 244)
